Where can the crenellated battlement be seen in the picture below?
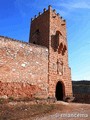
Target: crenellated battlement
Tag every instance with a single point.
(45, 10)
(40, 13)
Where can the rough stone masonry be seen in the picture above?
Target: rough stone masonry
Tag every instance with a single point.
(38, 69)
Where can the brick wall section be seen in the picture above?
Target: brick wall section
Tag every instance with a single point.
(23, 69)
(40, 23)
(58, 24)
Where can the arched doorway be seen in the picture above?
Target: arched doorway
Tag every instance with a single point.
(59, 93)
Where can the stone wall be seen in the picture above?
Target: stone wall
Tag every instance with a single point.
(39, 29)
(58, 37)
(23, 69)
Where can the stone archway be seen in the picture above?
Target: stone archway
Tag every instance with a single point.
(59, 93)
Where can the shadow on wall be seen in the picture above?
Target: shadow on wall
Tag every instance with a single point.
(54, 42)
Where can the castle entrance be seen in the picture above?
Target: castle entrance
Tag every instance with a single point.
(59, 91)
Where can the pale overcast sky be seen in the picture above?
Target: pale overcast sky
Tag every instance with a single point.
(15, 18)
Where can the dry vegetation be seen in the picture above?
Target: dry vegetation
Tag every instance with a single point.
(26, 111)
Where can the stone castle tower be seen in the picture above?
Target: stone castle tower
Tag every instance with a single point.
(49, 30)
(38, 69)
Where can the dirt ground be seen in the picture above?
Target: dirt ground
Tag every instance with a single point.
(57, 111)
